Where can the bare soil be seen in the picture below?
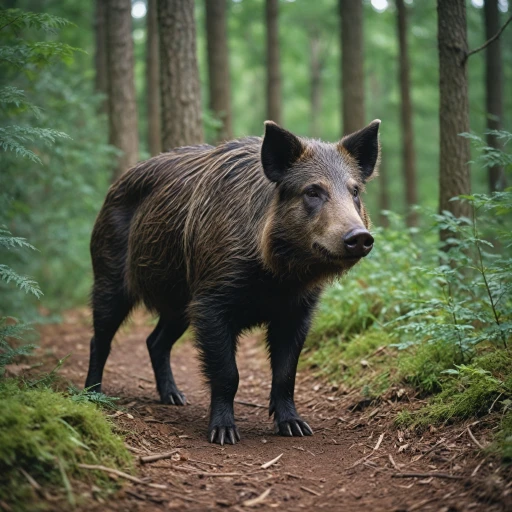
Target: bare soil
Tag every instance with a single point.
(357, 460)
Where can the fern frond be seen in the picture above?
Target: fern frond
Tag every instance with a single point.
(16, 19)
(13, 138)
(24, 283)
(13, 331)
(40, 53)
(13, 242)
(12, 96)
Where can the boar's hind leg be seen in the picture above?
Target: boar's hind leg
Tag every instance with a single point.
(109, 312)
(159, 343)
(216, 340)
(286, 336)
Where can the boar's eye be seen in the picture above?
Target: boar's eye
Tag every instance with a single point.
(314, 197)
(355, 192)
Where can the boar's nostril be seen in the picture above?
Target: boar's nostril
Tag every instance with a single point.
(358, 242)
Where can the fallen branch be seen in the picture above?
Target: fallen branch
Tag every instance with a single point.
(121, 474)
(271, 462)
(426, 475)
(157, 456)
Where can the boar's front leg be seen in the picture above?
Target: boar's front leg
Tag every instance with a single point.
(286, 336)
(217, 344)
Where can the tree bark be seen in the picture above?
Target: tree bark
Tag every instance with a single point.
(273, 62)
(493, 89)
(316, 65)
(153, 80)
(352, 72)
(100, 55)
(454, 169)
(122, 105)
(218, 67)
(408, 152)
(179, 75)
(383, 193)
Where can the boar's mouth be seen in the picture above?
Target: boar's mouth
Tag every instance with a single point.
(330, 255)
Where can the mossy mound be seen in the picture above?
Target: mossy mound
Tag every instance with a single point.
(46, 434)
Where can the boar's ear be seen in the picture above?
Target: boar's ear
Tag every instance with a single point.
(364, 147)
(280, 149)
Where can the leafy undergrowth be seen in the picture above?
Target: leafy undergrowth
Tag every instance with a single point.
(44, 435)
(437, 319)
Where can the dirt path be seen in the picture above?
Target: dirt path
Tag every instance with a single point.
(350, 464)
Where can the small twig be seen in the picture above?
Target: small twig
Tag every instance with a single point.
(366, 457)
(250, 404)
(312, 491)
(494, 403)
(256, 501)
(489, 41)
(31, 481)
(157, 456)
(121, 474)
(271, 462)
(206, 473)
(393, 463)
(474, 439)
(426, 475)
(441, 441)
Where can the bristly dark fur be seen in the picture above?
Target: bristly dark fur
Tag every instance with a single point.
(210, 236)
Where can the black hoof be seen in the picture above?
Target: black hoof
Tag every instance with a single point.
(221, 435)
(295, 427)
(175, 397)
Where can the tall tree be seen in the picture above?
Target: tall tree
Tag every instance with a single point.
(454, 177)
(316, 65)
(273, 61)
(218, 66)
(383, 192)
(153, 79)
(493, 88)
(122, 104)
(352, 73)
(100, 55)
(179, 74)
(408, 153)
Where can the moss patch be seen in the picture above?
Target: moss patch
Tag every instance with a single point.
(47, 434)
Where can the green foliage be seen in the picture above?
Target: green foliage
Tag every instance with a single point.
(468, 391)
(47, 435)
(88, 396)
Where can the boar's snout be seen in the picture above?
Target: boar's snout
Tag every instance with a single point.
(358, 242)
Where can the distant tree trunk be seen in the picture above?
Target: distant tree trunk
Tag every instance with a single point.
(454, 155)
(273, 62)
(408, 153)
(100, 55)
(179, 75)
(153, 79)
(352, 73)
(218, 66)
(316, 65)
(122, 106)
(493, 88)
(383, 192)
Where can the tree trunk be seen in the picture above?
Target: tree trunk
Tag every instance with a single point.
(153, 80)
(352, 72)
(316, 82)
(179, 75)
(122, 105)
(273, 62)
(454, 155)
(100, 56)
(408, 153)
(218, 67)
(383, 193)
(493, 89)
